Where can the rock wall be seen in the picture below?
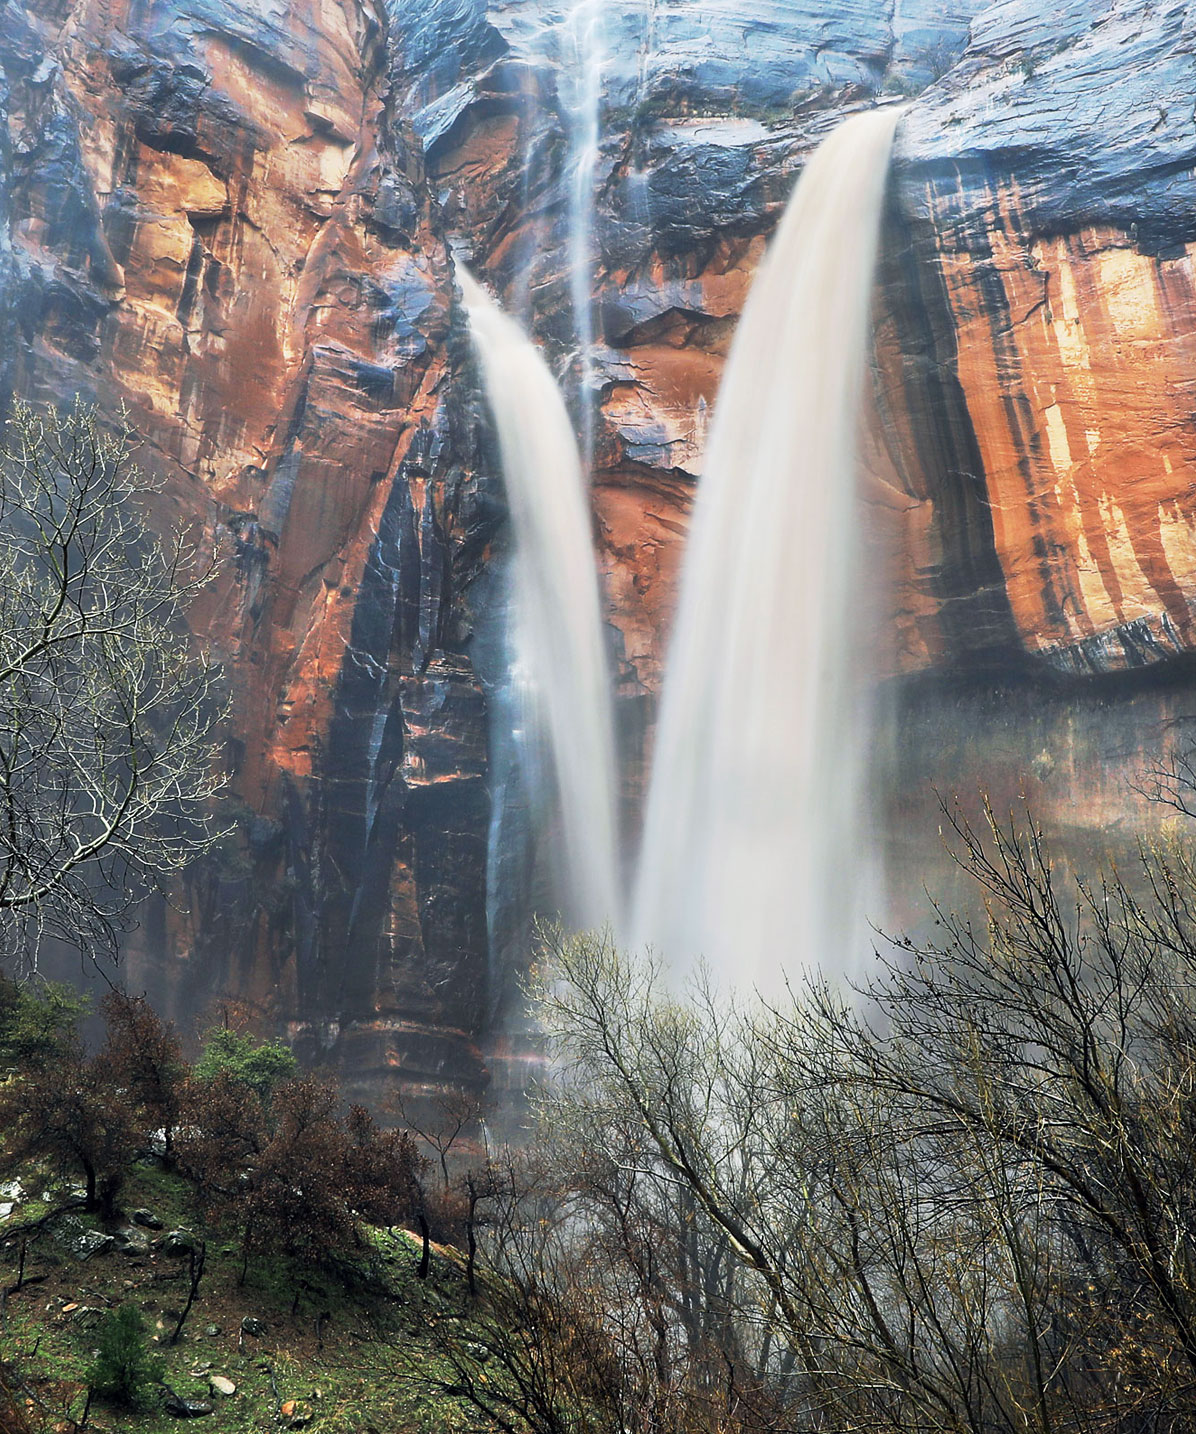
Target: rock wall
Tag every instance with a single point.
(1048, 181)
(217, 217)
(240, 219)
(708, 115)
(1029, 472)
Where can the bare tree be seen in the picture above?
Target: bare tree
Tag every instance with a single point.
(963, 1200)
(534, 1356)
(108, 719)
(448, 1116)
(595, 1303)
(1170, 780)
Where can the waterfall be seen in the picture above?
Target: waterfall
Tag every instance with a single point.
(558, 636)
(586, 39)
(753, 839)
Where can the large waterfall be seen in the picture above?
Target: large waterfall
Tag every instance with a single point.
(559, 648)
(753, 853)
(752, 845)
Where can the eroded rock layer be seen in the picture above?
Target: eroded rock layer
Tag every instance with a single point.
(1049, 182)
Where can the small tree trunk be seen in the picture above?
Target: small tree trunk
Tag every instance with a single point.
(471, 1260)
(425, 1259)
(197, 1259)
(89, 1175)
(109, 1189)
(245, 1242)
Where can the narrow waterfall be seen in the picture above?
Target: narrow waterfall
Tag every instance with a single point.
(753, 842)
(558, 639)
(583, 94)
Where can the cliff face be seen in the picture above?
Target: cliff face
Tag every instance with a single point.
(238, 218)
(708, 115)
(1048, 184)
(1029, 472)
(216, 217)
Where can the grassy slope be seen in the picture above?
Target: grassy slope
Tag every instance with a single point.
(359, 1375)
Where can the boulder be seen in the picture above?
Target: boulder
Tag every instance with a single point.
(181, 1408)
(130, 1241)
(81, 1242)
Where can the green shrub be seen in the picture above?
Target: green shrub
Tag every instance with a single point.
(263, 1067)
(125, 1370)
(37, 1023)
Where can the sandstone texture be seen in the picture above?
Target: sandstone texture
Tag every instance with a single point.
(1028, 470)
(1048, 185)
(240, 220)
(708, 114)
(216, 218)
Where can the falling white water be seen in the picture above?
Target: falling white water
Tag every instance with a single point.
(753, 841)
(558, 627)
(581, 90)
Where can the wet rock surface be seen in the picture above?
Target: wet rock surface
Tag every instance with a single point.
(214, 215)
(75, 1237)
(1029, 483)
(241, 220)
(1048, 184)
(180, 1408)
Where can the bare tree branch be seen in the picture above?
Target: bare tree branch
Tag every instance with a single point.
(108, 719)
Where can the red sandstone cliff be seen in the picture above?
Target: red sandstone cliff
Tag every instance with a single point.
(1048, 180)
(236, 217)
(1030, 472)
(217, 219)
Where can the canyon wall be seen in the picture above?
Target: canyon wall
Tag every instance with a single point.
(1047, 184)
(217, 219)
(239, 220)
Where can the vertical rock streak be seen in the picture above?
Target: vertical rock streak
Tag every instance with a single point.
(753, 842)
(558, 627)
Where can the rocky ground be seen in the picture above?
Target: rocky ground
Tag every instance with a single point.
(293, 1347)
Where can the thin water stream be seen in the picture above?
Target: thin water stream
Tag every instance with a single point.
(581, 79)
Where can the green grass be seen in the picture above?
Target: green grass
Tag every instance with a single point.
(339, 1342)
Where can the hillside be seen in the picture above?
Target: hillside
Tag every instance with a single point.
(344, 1350)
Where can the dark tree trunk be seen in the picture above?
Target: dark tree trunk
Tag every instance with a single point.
(425, 1259)
(471, 1260)
(197, 1258)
